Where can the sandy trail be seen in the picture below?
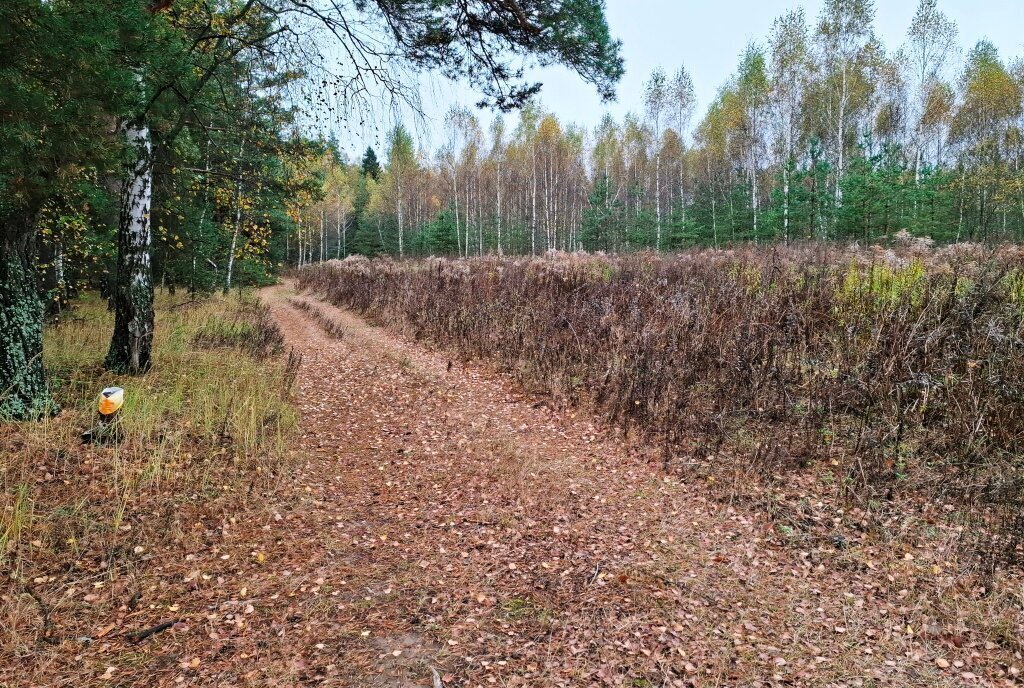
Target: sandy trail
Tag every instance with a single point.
(444, 529)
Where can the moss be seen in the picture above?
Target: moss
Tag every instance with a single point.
(23, 390)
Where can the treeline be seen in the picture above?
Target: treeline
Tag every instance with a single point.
(821, 133)
(159, 142)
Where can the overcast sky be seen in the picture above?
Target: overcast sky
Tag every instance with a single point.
(708, 37)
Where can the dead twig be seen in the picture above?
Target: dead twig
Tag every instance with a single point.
(139, 636)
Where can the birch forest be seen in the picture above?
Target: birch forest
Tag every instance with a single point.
(821, 133)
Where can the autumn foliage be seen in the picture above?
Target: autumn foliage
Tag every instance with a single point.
(904, 368)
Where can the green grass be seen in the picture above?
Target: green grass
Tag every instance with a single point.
(212, 416)
(518, 608)
(206, 384)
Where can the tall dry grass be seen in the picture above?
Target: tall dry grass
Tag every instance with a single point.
(902, 370)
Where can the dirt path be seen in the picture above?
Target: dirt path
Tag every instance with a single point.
(447, 531)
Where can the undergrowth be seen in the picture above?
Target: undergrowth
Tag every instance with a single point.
(326, 323)
(202, 434)
(900, 373)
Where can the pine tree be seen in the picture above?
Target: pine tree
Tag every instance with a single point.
(370, 166)
(59, 82)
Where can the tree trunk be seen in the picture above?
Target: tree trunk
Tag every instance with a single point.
(498, 213)
(455, 185)
(401, 227)
(753, 189)
(785, 202)
(23, 392)
(132, 344)
(238, 224)
(917, 175)
(533, 212)
(469, 212)
(842, 139)
(192, 290)
(234, 238)
(51, 255)
(657, 196)
(341, 230)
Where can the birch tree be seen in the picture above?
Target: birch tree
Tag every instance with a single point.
(845, 29)
(656, 102)
(931, 43)
(789, 67)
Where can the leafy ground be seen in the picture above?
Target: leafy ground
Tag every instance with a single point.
(93, 537)
(440, 528)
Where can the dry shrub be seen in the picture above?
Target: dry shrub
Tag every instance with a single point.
(904, 366)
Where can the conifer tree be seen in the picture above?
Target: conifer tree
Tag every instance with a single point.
(59, 81)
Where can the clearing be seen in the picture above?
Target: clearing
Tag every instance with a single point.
(442, 528)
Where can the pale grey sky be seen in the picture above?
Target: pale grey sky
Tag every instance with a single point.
(708, 37)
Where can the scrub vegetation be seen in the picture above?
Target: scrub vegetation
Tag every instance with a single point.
(725, 393)
(894, 374)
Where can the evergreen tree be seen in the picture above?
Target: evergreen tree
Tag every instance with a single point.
(59, 81)
(602, 219)
(439, 237)
(370, 166)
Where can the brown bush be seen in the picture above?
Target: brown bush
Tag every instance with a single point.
(905, 367)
